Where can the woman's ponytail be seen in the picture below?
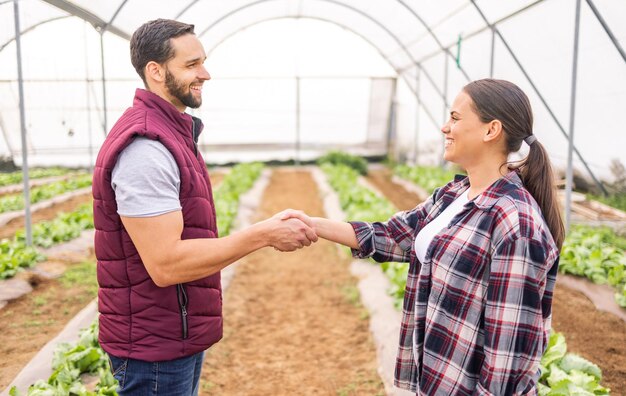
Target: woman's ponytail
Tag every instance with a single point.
(505, 101)
(538, 178)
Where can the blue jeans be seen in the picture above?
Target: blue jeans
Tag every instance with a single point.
(171, 378)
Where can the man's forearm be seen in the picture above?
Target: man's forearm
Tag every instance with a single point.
(170, 260)
(193, 259)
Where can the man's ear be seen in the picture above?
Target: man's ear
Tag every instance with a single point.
(494, 132)
(155, 71)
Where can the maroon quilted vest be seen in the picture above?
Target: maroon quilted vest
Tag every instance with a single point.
(138, 319)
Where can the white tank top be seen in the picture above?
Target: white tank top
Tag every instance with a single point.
(426, 234)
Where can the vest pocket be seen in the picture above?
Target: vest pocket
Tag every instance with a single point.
(182, 304)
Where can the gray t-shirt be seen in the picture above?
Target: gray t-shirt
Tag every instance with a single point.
(146, 180)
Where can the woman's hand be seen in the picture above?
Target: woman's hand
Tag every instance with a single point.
(295, 214)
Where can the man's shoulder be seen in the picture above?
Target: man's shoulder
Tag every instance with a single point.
(146, 152)
(142, 143)
(132, 116)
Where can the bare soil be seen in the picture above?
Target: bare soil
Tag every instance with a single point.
(28, 323)
(8, 230)
(398, 195)
(596, 335)
(216, 178)
(603, 214)
(293, 321)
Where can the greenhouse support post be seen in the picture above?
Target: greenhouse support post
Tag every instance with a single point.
(606, 28)
(20, 84)
(297, 120)
(538, 93)
(102, 29)
(88, 99)
(493, 52)
(446, 50)
(391, 122)
(445, 104)
(417, 115)
(104, 85)
(572, 113)
(367, 16)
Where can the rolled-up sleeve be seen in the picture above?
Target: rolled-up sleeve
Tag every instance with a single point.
(516, 326)
(391, 240)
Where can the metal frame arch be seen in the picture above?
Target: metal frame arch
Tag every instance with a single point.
(433, 35)
(335, 2)
(115, 14)
(257, 22)
(33, 27)
(82, 13)
(185, 9)
(340, 4)
(401, 2)
(257, 2)
(480, 30)
(607, 29)
(364, 38)
(538, 93)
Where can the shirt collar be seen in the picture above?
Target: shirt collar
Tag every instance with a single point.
(503, 186)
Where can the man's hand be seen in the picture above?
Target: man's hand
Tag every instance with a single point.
(291, 230)
(335, 231)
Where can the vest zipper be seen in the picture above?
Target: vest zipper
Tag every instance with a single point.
(182, 303)
(194, 137)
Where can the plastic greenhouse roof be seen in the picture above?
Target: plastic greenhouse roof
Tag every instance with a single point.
(422, 39)
(405, 32)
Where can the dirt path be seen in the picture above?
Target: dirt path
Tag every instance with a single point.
(595, 335)
(216, 178)
(401, 198)
(28, 323)
(293, 321)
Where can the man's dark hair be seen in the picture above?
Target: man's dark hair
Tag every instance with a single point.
(151, 42)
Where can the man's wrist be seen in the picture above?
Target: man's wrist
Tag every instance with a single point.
(261, 235)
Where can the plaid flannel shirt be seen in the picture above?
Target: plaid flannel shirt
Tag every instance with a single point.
(477, 312)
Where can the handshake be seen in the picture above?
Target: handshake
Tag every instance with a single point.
(290, 230)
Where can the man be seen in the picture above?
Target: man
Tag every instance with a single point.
(156, 240)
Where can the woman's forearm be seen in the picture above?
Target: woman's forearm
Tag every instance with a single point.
(335, 231)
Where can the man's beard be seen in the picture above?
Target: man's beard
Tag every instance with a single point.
(177, 89)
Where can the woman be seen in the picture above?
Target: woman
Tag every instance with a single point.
(483, 253)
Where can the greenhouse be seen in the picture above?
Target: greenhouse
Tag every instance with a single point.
(485, 240)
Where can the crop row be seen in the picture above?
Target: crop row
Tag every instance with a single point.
(561, 373)
(15, 254)
(598, 254)
(7, 179)
(359, 203)
(86, 356)
(427, 177)
(16, 201)
(239, 180)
